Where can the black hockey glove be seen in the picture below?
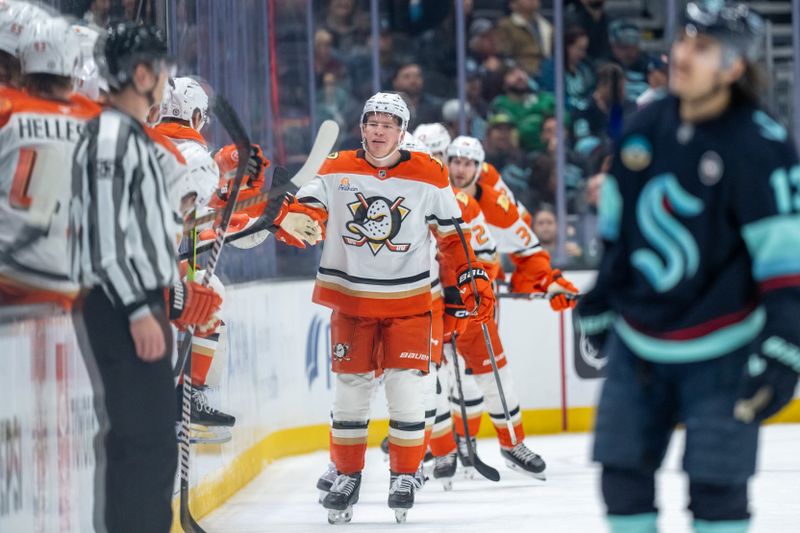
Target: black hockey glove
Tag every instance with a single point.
(768, 380)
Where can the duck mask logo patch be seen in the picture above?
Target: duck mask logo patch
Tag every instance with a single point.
(376, 221)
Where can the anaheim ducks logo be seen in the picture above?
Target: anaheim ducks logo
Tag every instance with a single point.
(376, 221)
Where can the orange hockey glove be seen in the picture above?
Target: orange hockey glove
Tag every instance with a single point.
(558, 288)
(191, 304)
(297, 224)
(483, 301)
(227, 159)
(455, 314)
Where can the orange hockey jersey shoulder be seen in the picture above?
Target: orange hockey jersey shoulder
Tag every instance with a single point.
(489, 175)
(498, 208)
(414, 166)
(173, 130)
(469, 206)
(163, 141)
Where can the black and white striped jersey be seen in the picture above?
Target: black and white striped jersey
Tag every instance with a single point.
(120, 214)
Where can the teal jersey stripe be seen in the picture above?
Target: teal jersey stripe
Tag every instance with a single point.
(715, 344)
(722, 526)
(635, 523)
(773, 244)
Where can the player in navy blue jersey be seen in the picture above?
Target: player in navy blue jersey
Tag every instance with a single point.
(698, 292)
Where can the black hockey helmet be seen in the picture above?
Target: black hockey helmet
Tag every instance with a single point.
(734, 24)
(125, 45)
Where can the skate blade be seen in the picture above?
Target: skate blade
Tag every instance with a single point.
(541, 476)
(468, 472)
(447, 483)
(209, 436)
(336, 516)
(322, 494)
(400, 515)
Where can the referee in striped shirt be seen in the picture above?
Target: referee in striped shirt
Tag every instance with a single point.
(124, 254)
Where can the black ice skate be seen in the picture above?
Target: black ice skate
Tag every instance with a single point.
(341, 498)
(444, 469)
(420, 476)
(326, 480)
(523, 460)
(463, 455)
(208, 425)
(401, 494)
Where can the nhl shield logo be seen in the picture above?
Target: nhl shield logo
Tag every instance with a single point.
(376, 221)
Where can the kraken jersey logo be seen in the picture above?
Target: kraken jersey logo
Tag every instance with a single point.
(678, 257)
(376, 221)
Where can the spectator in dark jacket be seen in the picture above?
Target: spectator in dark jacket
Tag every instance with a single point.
(590, 15)
(578, 72)
(424, 108)
(627, 53)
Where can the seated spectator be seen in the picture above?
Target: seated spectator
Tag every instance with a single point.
(657, 80)
(545, 226)
(484, 59)
(525, 35)
(578, 72)
(326, 62)
(97, 12)
(525, 104)
(590, 16)
(587, 224)
(605, 115)
(575, 165)
(424, 108)
(474, 93)
(348, 25)
(335, 102)
(451, 110)
(502, 150)
(627, 53)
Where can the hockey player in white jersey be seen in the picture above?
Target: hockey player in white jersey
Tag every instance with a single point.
(184, 112)
(39, 129)
(435, 137)
(378, 206)
(15, 16)
(86, 78)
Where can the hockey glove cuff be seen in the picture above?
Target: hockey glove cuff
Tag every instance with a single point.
(768, 380)
(297, 224)
(455, 314)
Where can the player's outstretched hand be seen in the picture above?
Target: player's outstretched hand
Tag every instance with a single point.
(559, 288)
(767, 384)
(192, 304)
(148, 338)
(298, 225)
(481, 302)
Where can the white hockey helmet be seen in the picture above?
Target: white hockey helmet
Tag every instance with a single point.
(469, 148)
(49, 46)
(390, 104)
(412, 144)
(434, 135)
(86, 79)
(183, 97)
(14, 17)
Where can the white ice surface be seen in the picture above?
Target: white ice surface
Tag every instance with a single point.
(284, 499)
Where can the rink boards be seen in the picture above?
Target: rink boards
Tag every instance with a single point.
(277, 383)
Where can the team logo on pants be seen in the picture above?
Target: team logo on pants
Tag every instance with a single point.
(340, 351)
(376, 221)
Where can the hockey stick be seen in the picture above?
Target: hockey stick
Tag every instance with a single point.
(230, 121)
(487, 339)
(483, 469)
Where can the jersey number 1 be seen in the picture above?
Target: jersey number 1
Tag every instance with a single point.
(786, 185)
(18, 195)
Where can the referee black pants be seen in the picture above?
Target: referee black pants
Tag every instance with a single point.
(136, 447)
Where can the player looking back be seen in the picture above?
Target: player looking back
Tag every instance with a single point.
(699, 286)
(379, 206)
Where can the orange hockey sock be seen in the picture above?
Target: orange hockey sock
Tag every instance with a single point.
(348, 444)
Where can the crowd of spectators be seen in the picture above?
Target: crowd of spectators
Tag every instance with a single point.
(510, 100)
